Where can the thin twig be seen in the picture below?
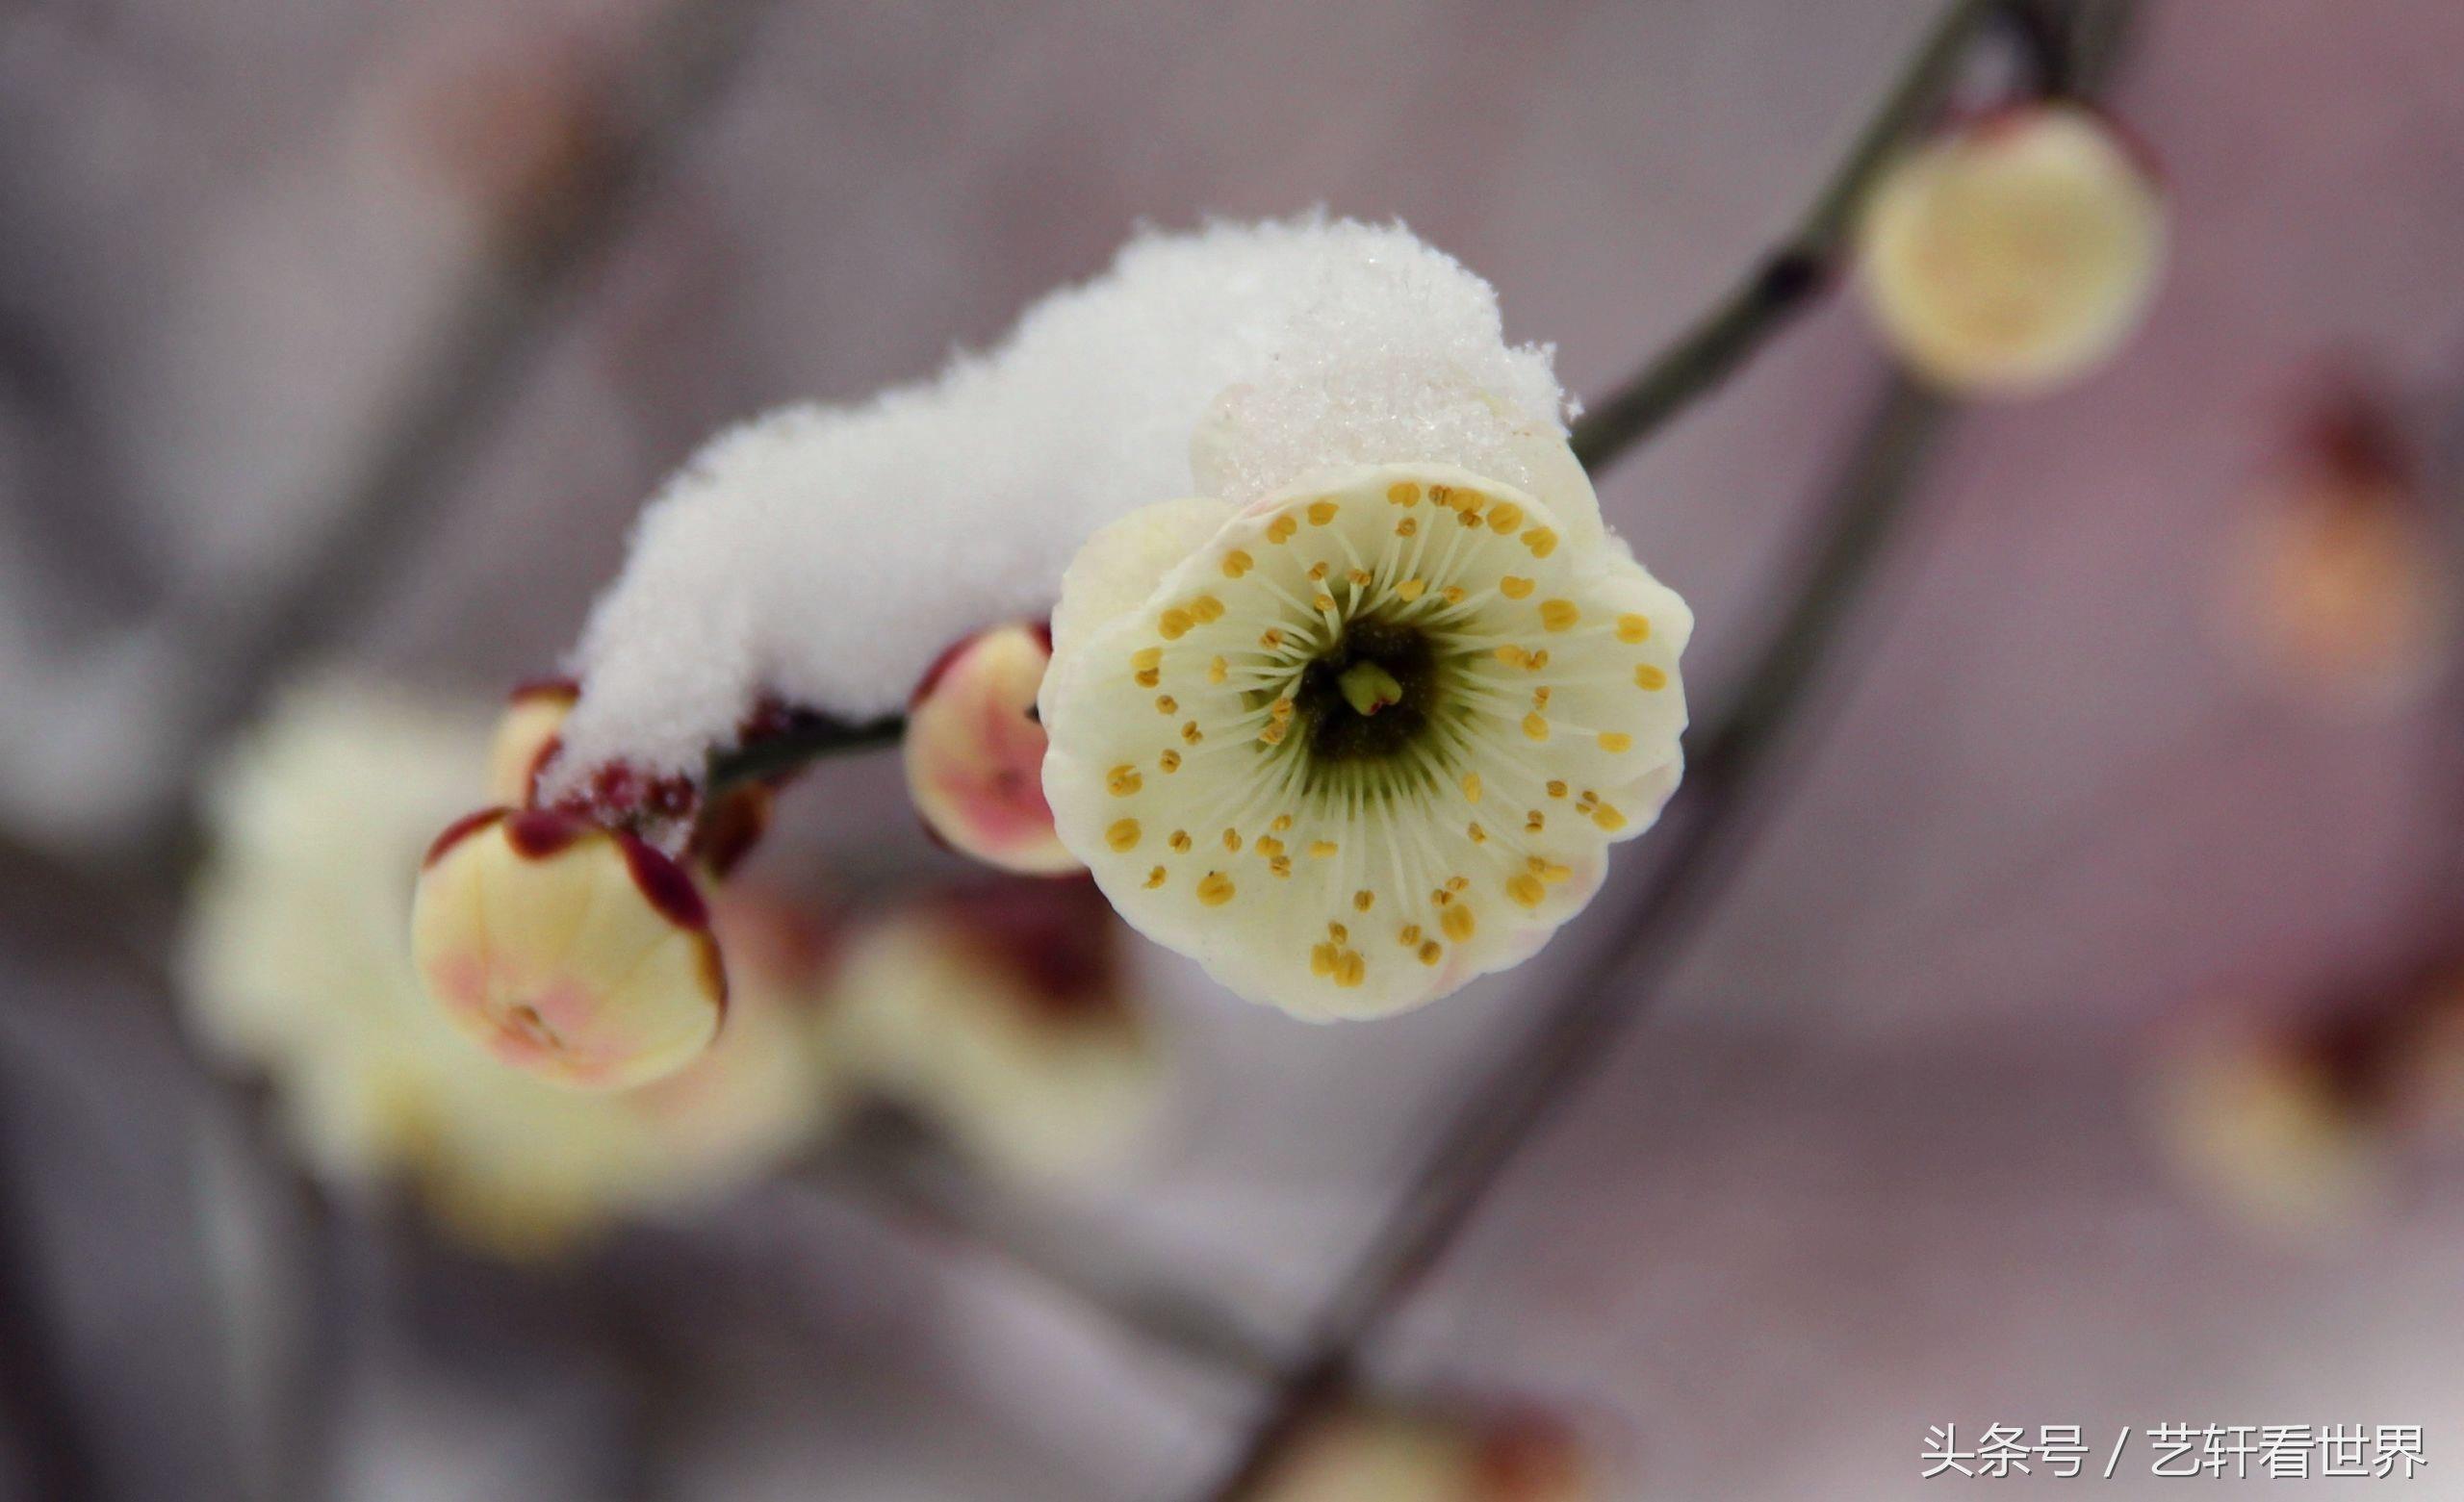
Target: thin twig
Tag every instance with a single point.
(1790, 275)
(807, 737)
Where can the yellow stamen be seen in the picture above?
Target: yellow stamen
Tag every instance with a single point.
(1526, 889)
(1236, 563)
(1559, 615)
(1633, 629)
(1646, 677)
(1214, 889)
(1516, 587)
(1122, 835)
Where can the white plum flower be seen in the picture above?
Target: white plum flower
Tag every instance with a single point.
(1367, 737)
(297, 964)
(2014, 252)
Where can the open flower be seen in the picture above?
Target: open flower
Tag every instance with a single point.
(1366, 738)
(296, 964)
(975, 751)
(576, 953)
(999, 1016)
(2014, 252)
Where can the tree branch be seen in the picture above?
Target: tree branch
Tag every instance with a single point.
(1792, 274)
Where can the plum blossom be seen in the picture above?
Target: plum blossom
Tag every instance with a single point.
(1370, 736)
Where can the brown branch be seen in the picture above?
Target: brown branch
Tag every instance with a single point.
(1793, 275)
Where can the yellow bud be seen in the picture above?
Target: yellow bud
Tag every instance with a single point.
(575, 954)
(2011, 254)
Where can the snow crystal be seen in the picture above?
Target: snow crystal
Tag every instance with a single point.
(827, 554)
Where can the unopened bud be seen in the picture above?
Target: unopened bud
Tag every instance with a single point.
(975, 751)
(2335, 592)
(575, 952)
(2011, 254)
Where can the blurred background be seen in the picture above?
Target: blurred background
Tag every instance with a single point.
(2011, 1079)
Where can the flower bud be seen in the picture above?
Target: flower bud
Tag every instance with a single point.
(2267, 1125)
(975, 751)
(2011, 254)
(1372, 1455)
(576, 953)
(525, 737)
(999, 1016)
(2334, 594)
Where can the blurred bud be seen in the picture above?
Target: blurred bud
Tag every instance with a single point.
(1369, 1455)
(575, 952)
(2260, 1123)
(2335, 592)
(2009, 254)
(975, 751)
(999, 1016)
(526, 736)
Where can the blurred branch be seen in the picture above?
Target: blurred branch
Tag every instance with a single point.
(484, 354)
(903, 1175)
(1790, 276)
(43, 1440)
